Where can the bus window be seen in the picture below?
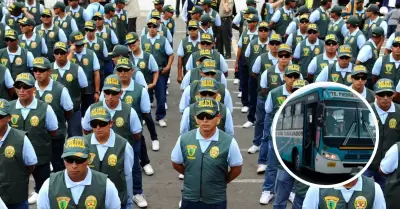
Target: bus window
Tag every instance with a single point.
(298, 117)
(367, 124)
(287, 120)
(279, 123)
(341, 121)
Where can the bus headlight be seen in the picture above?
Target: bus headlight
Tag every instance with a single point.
(330, 156)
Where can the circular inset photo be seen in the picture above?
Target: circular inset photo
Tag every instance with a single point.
(325, 134)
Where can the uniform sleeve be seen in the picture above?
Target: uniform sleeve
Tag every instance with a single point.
(142, 34)
(96, 64)
(189, 63)
(51, 119)
(139, 78)
(3, 20)
(323, 76)
(29, 154)
(184, 126)
(180, 51)
(289, 40)
(66, 101)
(135, 123)
(86, 15)
(236, 19)
(86, 121)
(148, 17)
(314, 17)
(277, 15)
(30, 59)
(176, 155)
(311, 200)
(169, 36)
(228, 100)
(41, 8)
(112, 198)
(384, 26)
(43, 201)
(61, 36)
(222, 63)
(74, 26)
(9, 81)
(361, 41)
(82, 79)
(312, 67)
(168, 48)
(184, 12)
(391, 160)
(389, 42)
(128, 161)
(257, 65)
(229, 129)
(247, 52)
(145, 105)
(344, 30)
(44, 46)
(153, 64)
(223, 80)
(240, 42)
(268, 104)
(264, 80)
(234, 155)
(101, 98)
(364, 54)
(291, 28)
(379, 202)
(114, 38)
(185, 81)
(296, 54)
(376, 70)
(185, 99)
(217, 20)
(2, 204)
(105, 52)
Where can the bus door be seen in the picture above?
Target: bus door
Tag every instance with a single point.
(309, 134)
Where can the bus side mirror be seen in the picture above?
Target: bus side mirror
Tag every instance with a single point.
(320, 114)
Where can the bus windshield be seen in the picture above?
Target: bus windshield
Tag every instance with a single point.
(348, 124)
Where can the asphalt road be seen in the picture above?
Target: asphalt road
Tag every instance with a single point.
(162, 190)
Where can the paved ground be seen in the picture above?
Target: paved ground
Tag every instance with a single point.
(162, 190)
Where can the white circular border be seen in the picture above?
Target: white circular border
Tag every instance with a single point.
(307, 88)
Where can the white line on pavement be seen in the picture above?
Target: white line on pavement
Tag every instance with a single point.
(248, 181)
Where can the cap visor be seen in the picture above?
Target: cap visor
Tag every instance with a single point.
(112, 88)
(40, 66)
(81, 42)
(210, 90)
(207, 111)
(383, 90)
(102, 119)
(75, 154)
(25, 82)
(3, 113)
(292, 72)
(63, 49)
(344, 55)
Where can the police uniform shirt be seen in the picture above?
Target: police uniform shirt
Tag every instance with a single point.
(181, 51)
(314, 17)
(166, 23)
(3, 20)
(119, 13)
(234, 155)
(65, 101)
(152, 63)
(376, 70)
(85, 15)
(390, 162)
(82, 79)
(134, 122)
(94, 7)
(324, 75)
(145, 104)
(366, 52)
(96, 64)
(28, 152)
(292, 26)
(268, 103)
(61, 35)
(90, 43)
(312, 67)
(238, 18)
(360, 39)
(41, 7)
(383, 114)
(114, 38)
(8, 80)
(33, 37)
(185, 122)
(186, 81)
(185, 99)
(257, 64)
(167, 46)
(250, 34)
(74, 26)
(389, 41)
(222, 63)
(277, 14)
(383, 24)
(2, 204)
(289, 40)
(209, 30)
(108, 21)
(51, 118)
(311, 201)
(264, 77)
(344, 29)
(297, 51)
(217, 19)
(6, 27)
(169, 35)
(112, 200)
(398, 87)
(29, 56)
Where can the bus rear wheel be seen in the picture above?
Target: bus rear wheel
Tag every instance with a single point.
(296, 161)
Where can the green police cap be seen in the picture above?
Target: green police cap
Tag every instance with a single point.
(331, 37)
(303, 10)
(131, 37)
(113, 82)
(250, 10)
(208, 84)
(206, 38)
(25, 78)
(12, 34)
(99, 113)
(41, 62)
(155, 14)
(27, 21)
(61, 45)
(353, 20)
(193, 24)
(197, 9)
(15, 6)
(206, 53)
(252, 18)
(59, 5)
(47, 11)
(97, 14)
(383, 85)
(336, 9)
(207, 105)
(158, 2)
(377, 31)
(304, 17)
(77, 38)
(373, 8)
(263, 24)
(123, 62)
(357, 69)
(299, 83)
(312, 26)
(205, 18)
(76, 146)
(109, 7)
(284, 48)
(205, 2)
(396, 40)
(4, 107)
(208, 65)
(275, 37)
(292, 69)
(119, 50)
(168, 8)
(251, 2)
(120, 1)
(344, 51)
(152, 21)
(90, 25)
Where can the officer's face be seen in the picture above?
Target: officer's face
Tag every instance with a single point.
(206, 45)
(344, 61)
(79, 48)
(195, 16)
(358, 81)
(359, 5)
(273, 46)
(11, 43)
(89, 32)
(153, 29)
(73, 3)
(208, 74)
(24, 28)
(291, 78)
(331, 46)
(263, 33)
(46, 19)
(207, 122)
(205, 7)
(99, 21)
(193, 32)
(312, 35)
(41, 75)
(4, 120)
(61, 57)
(292, 4)
(101, 131)
(76, 167)
(57, 11)
(303, 24)
(284, 58)
(384, 99)
(112, 97)
(124, 75)
(120, 6)
(396, 49)
(251, 24)
(368, 14)
(134, 46)
(158, 6)
(24, 92)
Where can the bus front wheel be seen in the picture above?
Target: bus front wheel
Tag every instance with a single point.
(296, 161)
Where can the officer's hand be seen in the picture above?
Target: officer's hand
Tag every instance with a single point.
(96, 97)
(165, 70)
(150, 86)
(179, 79)
(24, 9)
(72, 48)
(236, 67)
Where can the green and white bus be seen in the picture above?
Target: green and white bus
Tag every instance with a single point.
(327, 130)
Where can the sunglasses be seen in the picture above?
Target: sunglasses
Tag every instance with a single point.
(77, 160)
(152, 26)
(274, 43)
(46, 16)
(205, 43)
(60, 53)
(79, 46)
(89, 30)
(120, 70)
(251, 22)
(284, 56)
(263, 30)
(132, 43)
(210, 73)
(304, 22)
(312, 32)
(108, 92)
(192, 29)
(207, 94)
(100, 123)
(23, 25)
(9, 40)
(395, 45)
(385, 93)
(204, 24)
(296, 76)
(97, 19)
(3, 116)
(331, 43)
(40, 70)
(23, 86)
(362, 77)
(344, 58)
(203, 116)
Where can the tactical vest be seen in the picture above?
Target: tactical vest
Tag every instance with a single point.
(51, 38)
(157, 50)
(337, 30)
(195, 75)
(122, 26)
(64, 25)
(3, 87)
(71, 82)
(106, 36)
(370, 97)
(246, 41)
(112, 164)
(307, 54)
(336, 76)
(192, 114)
(389, 70)
(274, 80)
(78, 16)
(369, 64)
(266, 15)
(321, 64)
(3, 44)
(35, 127)
(86, 64)
(170, 26)
(12, 23)
(163, 32)
(352, 42)
(392, 187)
(255, 51)
(362, 18)
(296, 38)
(388, 135)
(14, 177)
(367, 30)
(188, 49)
(35, 12)
(98, 47)
(133, 99)
(366, 197)
(322, 23)
(277, 98)
(283, 23)
(143, 65)
(215, 56)
(18, 65)
(112, 25)
(205, 173)
(53, 98)
(93, 194)
(194, 91)
(35, 46)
